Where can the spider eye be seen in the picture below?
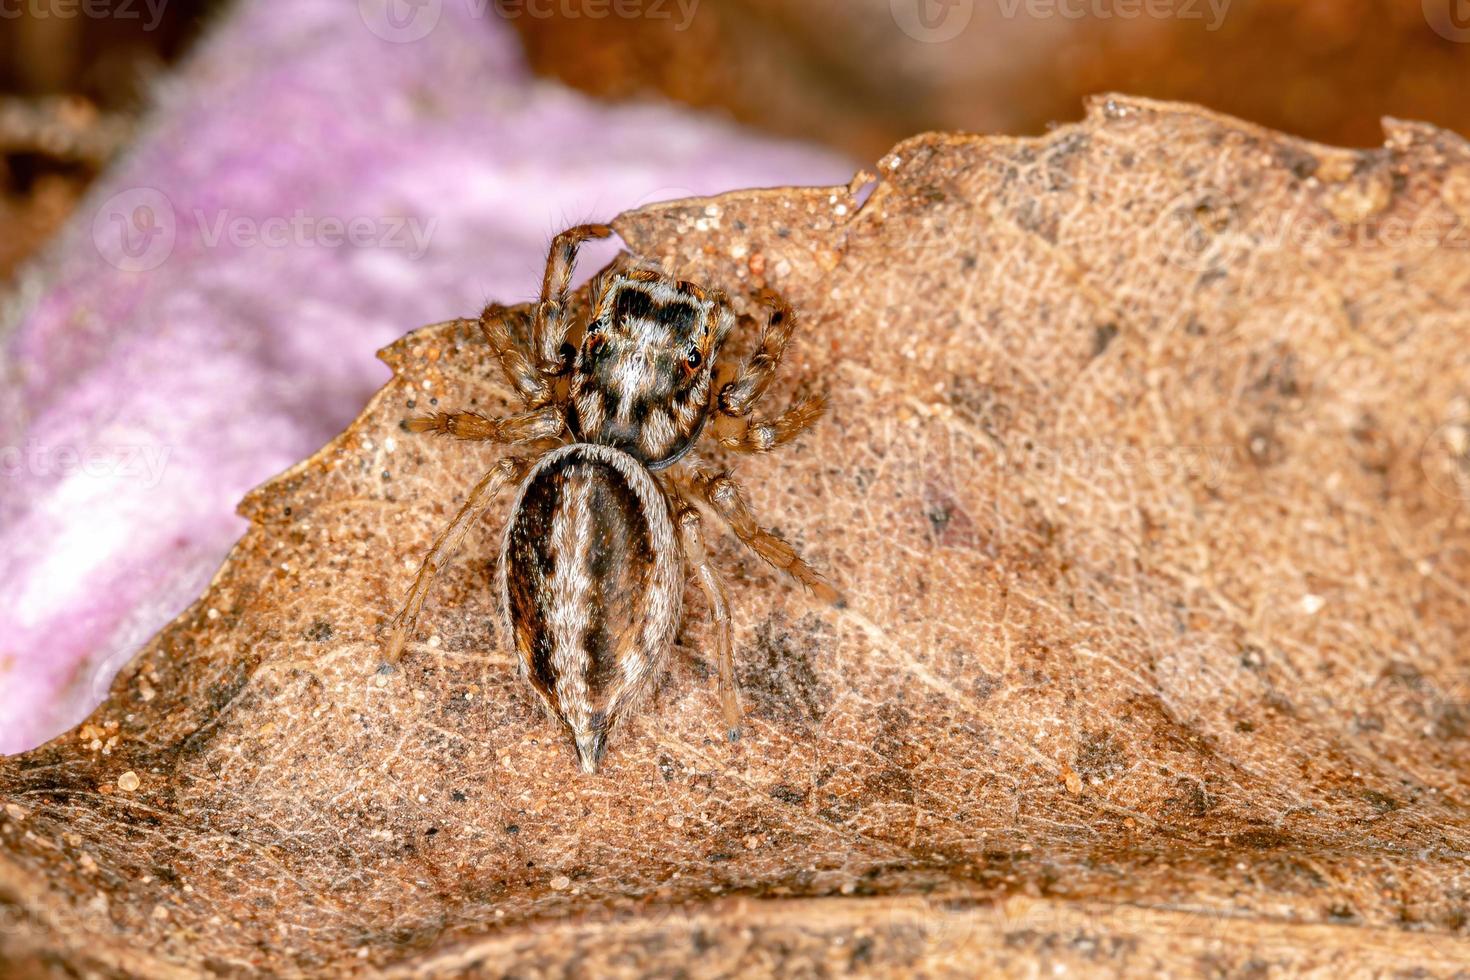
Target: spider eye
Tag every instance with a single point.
(593, 326)
(694, 360)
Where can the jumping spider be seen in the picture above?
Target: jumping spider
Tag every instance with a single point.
(591, 571)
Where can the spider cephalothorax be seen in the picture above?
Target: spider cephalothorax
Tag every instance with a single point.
(593, 557)
(642, 377)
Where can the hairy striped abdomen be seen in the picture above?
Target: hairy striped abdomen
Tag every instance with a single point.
(591, 583)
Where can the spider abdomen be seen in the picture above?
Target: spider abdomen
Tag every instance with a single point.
(591, 585)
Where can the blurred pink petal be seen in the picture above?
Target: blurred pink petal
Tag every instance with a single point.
(318, 180)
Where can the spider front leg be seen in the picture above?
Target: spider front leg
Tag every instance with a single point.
(549, 330)
(756, 434)
(515, 363)
(692, 537)
(547, 422)
(738, 397)
(724, 495)
(506, 472)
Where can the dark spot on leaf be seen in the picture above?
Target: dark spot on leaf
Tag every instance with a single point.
(786, 794)
(777, 677)
(1381, 802)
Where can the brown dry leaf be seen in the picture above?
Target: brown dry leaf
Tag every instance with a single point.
(1149, 507)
